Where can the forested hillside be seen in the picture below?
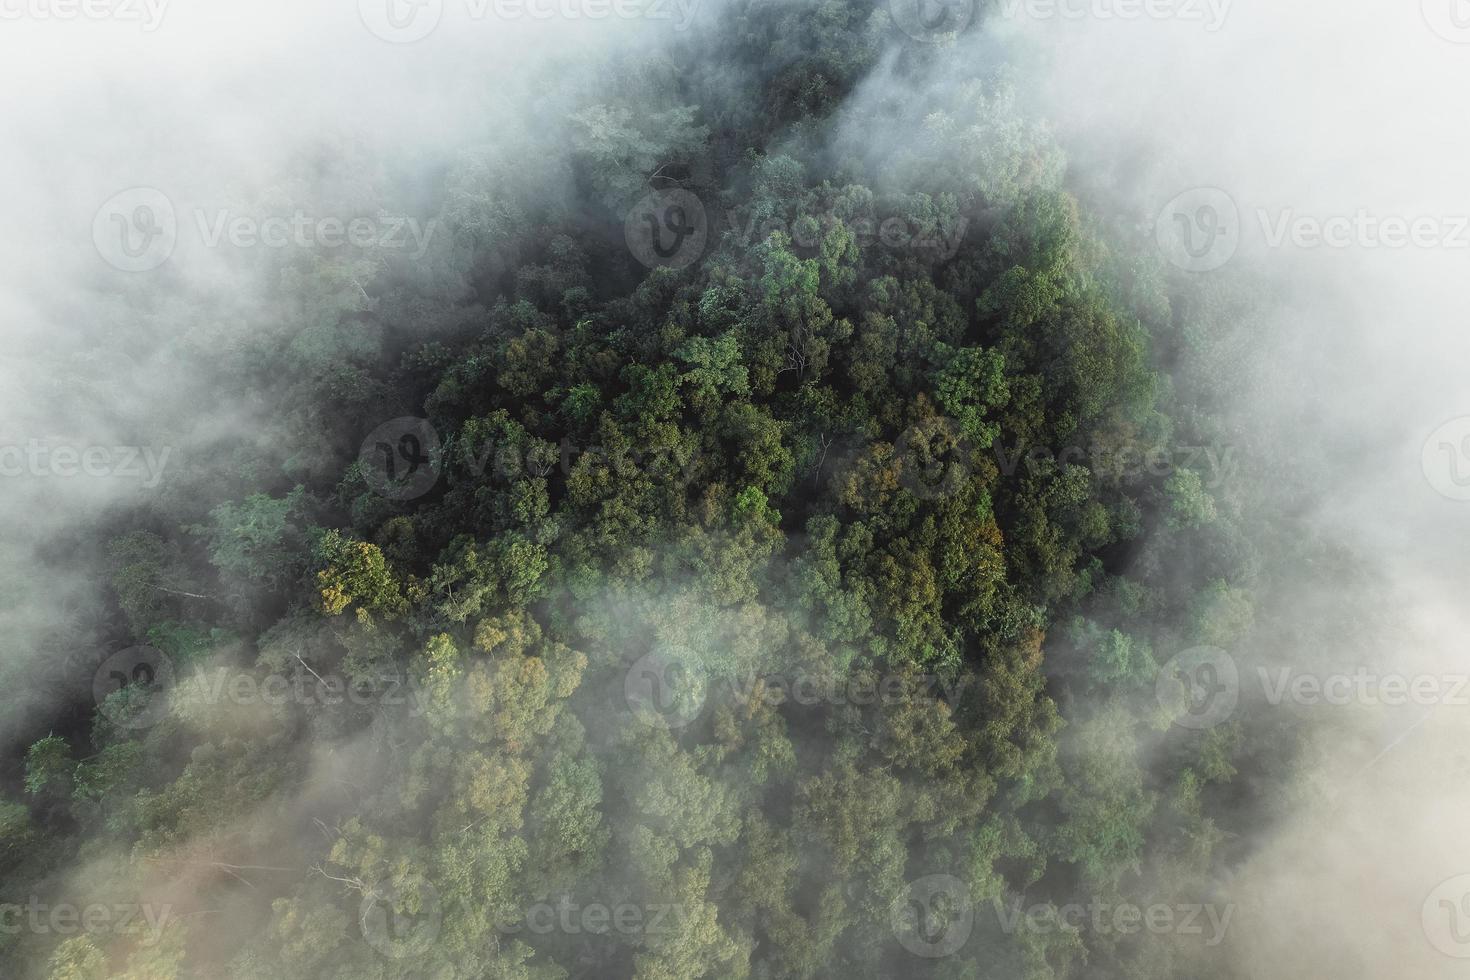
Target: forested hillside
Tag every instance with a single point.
(746, 547)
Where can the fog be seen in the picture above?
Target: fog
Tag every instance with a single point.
(1355, 356)
(1325, 110)
(213, 112)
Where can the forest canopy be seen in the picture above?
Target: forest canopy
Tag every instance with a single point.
(749, 546)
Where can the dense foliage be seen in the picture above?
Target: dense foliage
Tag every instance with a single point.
(741, 594)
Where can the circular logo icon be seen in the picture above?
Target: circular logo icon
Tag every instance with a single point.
(400, 459)
(931, 20)
(1446, 459)
(667, 229)
(1198, 230)
(1199, 687)
(666, 688)
(933, 458)
(131, 686)
(400, 21)
(933, 918)
(400, 920)
(1446, 917)
(1450, 19)
(135, 230)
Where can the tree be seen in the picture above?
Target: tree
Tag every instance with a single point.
(1190, 505)
(623, 148)
(258, 540)
(355, 572)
